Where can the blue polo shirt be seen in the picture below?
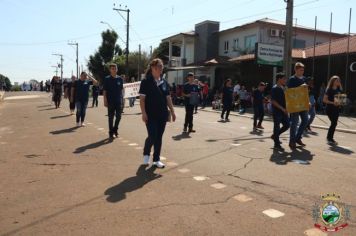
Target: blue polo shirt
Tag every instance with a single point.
(155, 97)
(257, 98)
(277, 95)
(113, 87)
(295, 82)
(82, 90)
(193, 90)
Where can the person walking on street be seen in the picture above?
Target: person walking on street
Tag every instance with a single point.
(57, 90)
(68, 93)
(154, 99)
(191, 99)
(95, 94)
(258, 106)
(227, 99)
(280, 114)
(80, 94)
(200, 94)
(295, 81)
(332, 107)
(113, 93)
(205, 92)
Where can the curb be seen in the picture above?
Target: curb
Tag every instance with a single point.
(350, 131)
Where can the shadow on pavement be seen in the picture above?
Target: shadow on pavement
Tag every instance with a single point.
(181, 136)
(93, 145)
(299, 156)
(132, 114)
(57, 117)
(341, 150)
(118, 192)
(48, 109)
(48, 105)
(64, 131)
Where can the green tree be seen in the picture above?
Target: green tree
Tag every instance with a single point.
(5, 83)
(134, 59)
(97, 63)
(162, 52)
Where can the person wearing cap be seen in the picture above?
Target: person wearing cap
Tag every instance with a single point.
(191, 99)
(113, 94)
(295, 81)
(312, 101)
(279, 112)
(258, 108)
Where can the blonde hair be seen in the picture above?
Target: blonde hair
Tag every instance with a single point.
(332, 81)
(298, 65)
(154, 62)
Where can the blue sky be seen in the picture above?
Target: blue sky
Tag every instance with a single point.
(30, 31)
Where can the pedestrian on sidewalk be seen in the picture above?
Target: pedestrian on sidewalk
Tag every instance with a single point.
(95, 94)
(312, 101)
(113, 96)
(296, 133)
(279, 112)
(57, 90)
(191, 99)
(243, 94)
(68, 94)
(332, 107)
(154, 99)
(227, 99)
(258, 106)
(80, 94)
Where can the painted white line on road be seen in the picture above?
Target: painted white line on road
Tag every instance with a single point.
(218, 186)
(314, 232)
(243, 127)
(100, 129)
(200, 178)
(171, 163)
(125, 141)
(133, 144)
(139, 148)
(242, 198)
(89, 123)
(22, 97)
(236, 144)
(184, 170)
(162, 158)
(273, 213)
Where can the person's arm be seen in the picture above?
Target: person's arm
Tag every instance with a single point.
(276, 104)
(105, 99)
(143, 108)
(170, 105)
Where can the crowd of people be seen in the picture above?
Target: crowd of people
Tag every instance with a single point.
(157, 98)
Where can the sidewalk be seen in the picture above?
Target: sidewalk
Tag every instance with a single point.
(2, 94)
(345, 124)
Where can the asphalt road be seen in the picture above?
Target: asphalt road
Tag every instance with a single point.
(60, 180)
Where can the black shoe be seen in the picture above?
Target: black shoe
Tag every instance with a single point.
(116, 134)
(227, 120)
(300, 143)
(292, 146)
(332, 142)
(278, 147)
(111, 136)
(185, 129)
(272, 137)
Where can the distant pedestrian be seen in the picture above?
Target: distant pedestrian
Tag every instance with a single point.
(80, 94)
(295, 81)
(113, 97)
(154, 99)
(332, 107)
(243, 95)
(205, 92)
(95, 94)
(280, 114)
(68, 93)
(258, 106)
(191, 99)
(57, 90)
(196, 82)
(227, 99)
(312, 101)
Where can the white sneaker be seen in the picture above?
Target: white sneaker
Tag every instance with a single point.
(158, 164)
(146, 160)
(78, 124)
(83, 124)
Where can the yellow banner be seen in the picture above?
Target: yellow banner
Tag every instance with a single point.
(297, 99)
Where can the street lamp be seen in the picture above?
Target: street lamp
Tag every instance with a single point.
(106, 23)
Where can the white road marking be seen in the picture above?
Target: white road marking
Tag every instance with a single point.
(200, 178)
(139, 148)
(242, 198)
(162, 158)
(171, 163)
(243, 127)
(125, 141)
(100, 129)
(314, 232)
(273, 213)
(236, 144)
(184, 170)
(22, 97)
(218, 186)
(133, 144)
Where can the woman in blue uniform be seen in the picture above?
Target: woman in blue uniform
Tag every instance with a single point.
(154, 99)
(227, 98)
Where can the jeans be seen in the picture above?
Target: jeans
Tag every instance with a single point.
(333, 114)
(277, 130)
(311, 115)
(72, 106)
(81, 110)
(227, 109)
(295, 134)
(259, 113)
(189, 109)
(95, 100)
(114, 110)
(155, 130)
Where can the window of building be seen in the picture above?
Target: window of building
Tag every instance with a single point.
(250, 42)
(235, 47)
(299, 43)
(226, 46)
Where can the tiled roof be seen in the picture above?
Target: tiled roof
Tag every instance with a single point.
(338, 46)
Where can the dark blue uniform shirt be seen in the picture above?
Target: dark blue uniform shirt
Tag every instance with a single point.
(82, 90)
(113, 87)
(277, 95)
(295, 82)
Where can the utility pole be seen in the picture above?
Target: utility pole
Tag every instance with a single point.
(56, 69)
(139, 62)
(60, 55)
(288, 38)
(77, 54)
(127, 35)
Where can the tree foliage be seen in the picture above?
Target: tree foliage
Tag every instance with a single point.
(134, 59)
(162, 51)
(5, 82)
(97, 63)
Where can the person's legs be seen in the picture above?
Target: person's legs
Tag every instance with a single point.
(303, 124)
(276, 129)
(286, 124)
(161, 125)
(255, 116)
(79, 111)
(333, 117)
(294, 119)
(72, 106)
(117, 118)
(152, 132)
(261, 114)
(83, 111)
(227, 113)
(111, 111)
(223, 112)
(186, 117)
(190, 117)
(311, 116)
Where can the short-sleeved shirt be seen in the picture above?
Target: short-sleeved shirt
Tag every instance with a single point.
(295, 82)
(95, 90)
(277, 95)
(257, 98)
(82, 90)
(331, 96)
(193, 91)
(237, 88)
(57, 85)
(228, 95)
(155, 93)
(114, 87)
